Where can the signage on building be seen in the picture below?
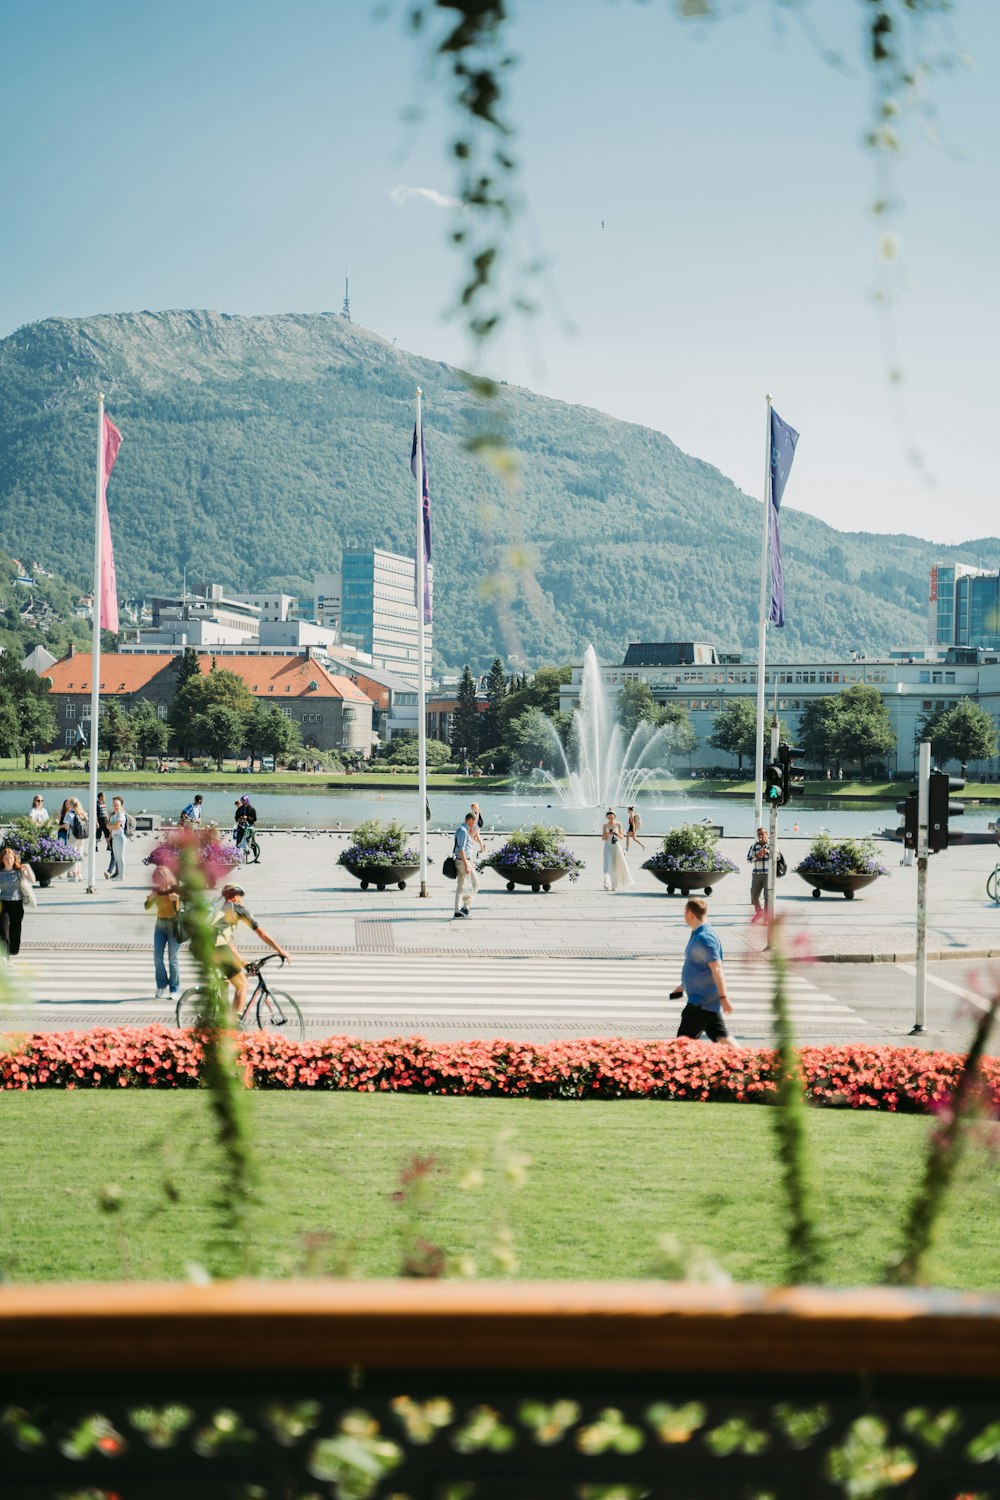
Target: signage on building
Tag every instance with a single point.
(933, 584)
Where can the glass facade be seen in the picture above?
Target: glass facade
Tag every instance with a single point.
(964, 607)
(378, 612)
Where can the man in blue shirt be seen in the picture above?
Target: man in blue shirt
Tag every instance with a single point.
(191, 814)
(466, 877)
(703, 980)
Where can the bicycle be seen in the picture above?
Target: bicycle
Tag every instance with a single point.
(993, 885)
(275, 1010)
(248, 845)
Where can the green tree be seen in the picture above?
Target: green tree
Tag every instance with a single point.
(30, 696)
(734, 730)
(10, 727)
(965, 732)
(636, 705)
(187, 666)
(679, 732)
(150, 734)
(220, 731)
(114, 729)
(404, 750)
(817, 729)
(217, 688)
(861, 731)
(532, 737)
(541, 692)
(270, 732)
(465, 720)
(492, 726)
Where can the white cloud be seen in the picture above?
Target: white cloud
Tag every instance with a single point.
(401, 194)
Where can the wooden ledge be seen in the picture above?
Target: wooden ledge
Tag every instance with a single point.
(599, 1326)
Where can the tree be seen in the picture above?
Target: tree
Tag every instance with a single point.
(817, 729)
(220, 730)
(532, 736)
(965, 732)
(217, 688)
(10, 728)
(861, 731)
(187, 667)
(636, 705)
(678, 731)
(150, 733)
(492, 725)
(404, 750)
(734, 730)
(465, 719)
(114, 729)
(29, 694)
(270, 732)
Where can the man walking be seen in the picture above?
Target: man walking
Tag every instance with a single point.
(703, 980)
(759, 855)
(191, 815)
(466, 876)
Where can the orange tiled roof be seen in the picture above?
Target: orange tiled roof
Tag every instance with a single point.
(271, 677)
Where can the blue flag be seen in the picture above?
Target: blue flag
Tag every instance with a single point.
(425, 519)
(783, 440)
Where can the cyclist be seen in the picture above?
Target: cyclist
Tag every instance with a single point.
(228, 915)
(243, 834)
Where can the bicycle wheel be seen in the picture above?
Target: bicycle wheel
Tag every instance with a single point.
(189, 1008)
(277, 1011)
(993, 887)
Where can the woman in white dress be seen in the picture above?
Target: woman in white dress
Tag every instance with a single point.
(616, 871)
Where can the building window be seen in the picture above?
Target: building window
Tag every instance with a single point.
(71, 736)
(71, 710)
(85, 711)
(161, 710)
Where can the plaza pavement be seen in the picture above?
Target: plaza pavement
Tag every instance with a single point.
(577, 961)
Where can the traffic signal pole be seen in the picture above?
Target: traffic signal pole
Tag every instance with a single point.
(772, 839)
(923, 819)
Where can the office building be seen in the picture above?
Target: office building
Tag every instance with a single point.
(378, 611)
(326, 600)
(964, 607)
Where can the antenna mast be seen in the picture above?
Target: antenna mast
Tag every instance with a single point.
(345, 311)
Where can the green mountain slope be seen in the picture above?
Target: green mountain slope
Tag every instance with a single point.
(255, 449)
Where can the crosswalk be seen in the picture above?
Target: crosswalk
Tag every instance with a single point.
(392, 992)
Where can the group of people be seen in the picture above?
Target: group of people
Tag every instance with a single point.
(244, 821)
(170, 931)
(73, 829)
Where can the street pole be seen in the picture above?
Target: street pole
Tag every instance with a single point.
(772, 838)
(923, 820)
(758, 799)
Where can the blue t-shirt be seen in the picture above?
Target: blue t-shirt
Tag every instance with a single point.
(463, 840)
(703, 949)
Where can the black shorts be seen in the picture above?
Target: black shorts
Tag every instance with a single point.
(695, 1021)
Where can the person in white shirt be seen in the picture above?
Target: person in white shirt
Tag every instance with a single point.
(38, 814)
(466, 878)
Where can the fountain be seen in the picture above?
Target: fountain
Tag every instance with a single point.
(608, 772)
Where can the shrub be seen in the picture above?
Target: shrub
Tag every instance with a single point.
(536, 848)
(35, 843)
(216, 852)
(689, 847)
(847, 857)
(377, 843)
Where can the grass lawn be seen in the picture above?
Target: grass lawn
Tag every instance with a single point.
(606, 1181)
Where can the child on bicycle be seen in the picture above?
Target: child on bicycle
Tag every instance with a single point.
(227, 916)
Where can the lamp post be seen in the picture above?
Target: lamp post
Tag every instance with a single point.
(900, 690)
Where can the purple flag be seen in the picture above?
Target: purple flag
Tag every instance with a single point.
(425, 521)
(783, 440)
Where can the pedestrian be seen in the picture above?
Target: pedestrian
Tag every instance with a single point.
(759, 856)
(73, 833)
(13, 878)
(39, 813)
(104, 832)
(246, 817)
(703, 980)
(466, 877)
(191, 815)
(165, 899)
(477, 837)
(118, 824)
(634, 829)
(616, 870)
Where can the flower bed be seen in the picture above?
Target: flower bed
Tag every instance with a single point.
(849, 857)
(689, 850)
(39, 848)
(533, 851)
(378, 846)
(901, 1079)
(216, 852)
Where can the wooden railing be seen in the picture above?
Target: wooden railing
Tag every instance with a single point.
(280, 1390)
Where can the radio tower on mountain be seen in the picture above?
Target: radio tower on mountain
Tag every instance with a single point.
(345, 311)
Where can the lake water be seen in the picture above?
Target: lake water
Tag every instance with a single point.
(317, 808)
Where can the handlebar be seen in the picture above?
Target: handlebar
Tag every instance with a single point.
(256, 964)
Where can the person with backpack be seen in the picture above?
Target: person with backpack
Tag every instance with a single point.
(165, 899)
(73, 833)
(118, 822)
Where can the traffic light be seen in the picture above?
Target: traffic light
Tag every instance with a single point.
(773, 777)
(940, 808)
(792, 778)
(908, 808)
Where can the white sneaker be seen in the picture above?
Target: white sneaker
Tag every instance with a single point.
(161, 994)
(175, 995)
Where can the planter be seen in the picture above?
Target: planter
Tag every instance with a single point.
(382, 875)
(686, 881)
(47, 870)
(539, 880)
(844, 885)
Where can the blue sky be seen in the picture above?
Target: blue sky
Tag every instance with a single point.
(239, 156)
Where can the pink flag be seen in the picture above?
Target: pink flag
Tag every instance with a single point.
(109, 585)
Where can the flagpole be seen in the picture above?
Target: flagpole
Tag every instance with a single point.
(421, 649)
(762, 631)
(95, 661)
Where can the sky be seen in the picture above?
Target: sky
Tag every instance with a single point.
(699, 191)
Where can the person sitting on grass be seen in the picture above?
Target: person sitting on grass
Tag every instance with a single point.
(227, 916)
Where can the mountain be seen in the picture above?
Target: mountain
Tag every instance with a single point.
(255, 449)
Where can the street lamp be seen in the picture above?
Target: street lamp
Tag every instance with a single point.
(900, 690)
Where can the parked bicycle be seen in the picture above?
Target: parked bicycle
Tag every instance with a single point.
(246, 842)
(274, 1010)
(993, 885)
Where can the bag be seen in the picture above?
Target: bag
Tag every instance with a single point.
(27, 889)
(480, 820)
(781, 867)
(449, 868)
(129, 826)
(614, 838)
(183, 927)
(79, 826)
